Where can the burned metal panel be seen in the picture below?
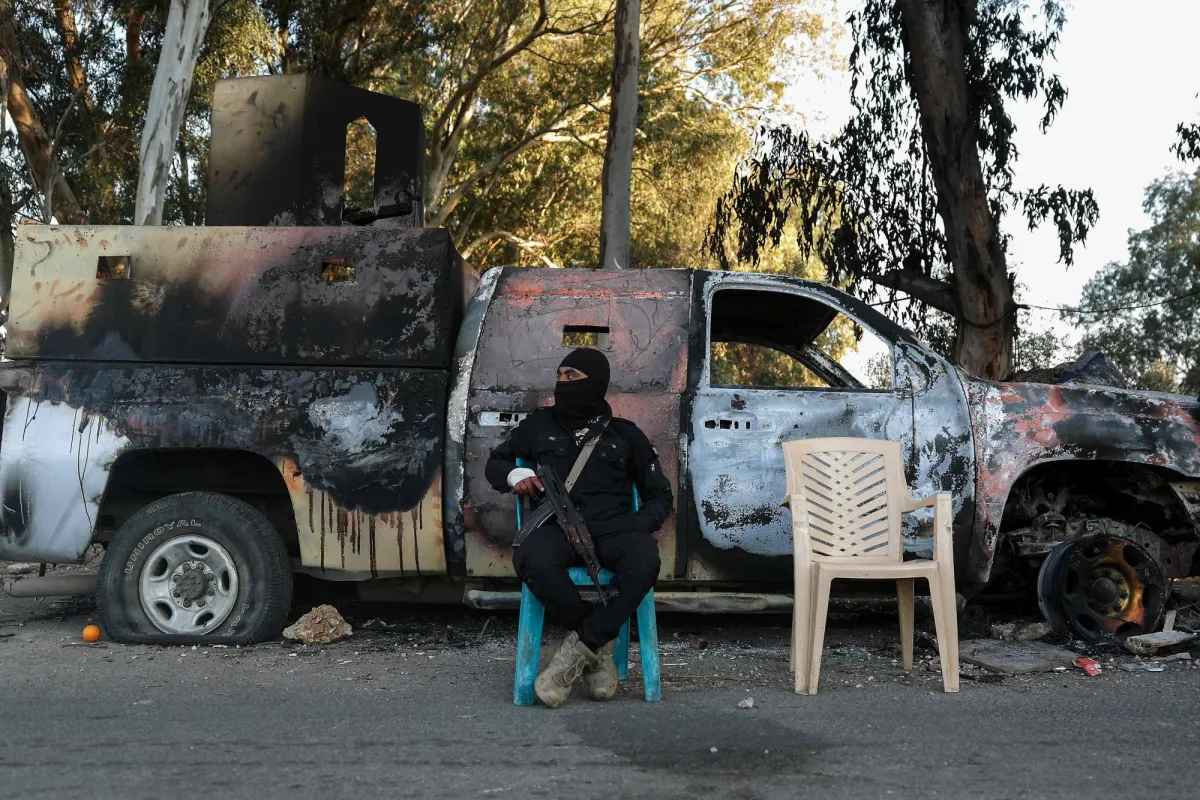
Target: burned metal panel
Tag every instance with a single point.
(278, 152)
(735, 462)
(466, 348)
(362, 446)
(644, 314)
(227, 295)
(334, 539)
(1020, 425)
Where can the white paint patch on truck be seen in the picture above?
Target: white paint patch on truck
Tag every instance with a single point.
(53, 470)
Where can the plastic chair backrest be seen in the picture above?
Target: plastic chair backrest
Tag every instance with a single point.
(850, 494)
(531, 464)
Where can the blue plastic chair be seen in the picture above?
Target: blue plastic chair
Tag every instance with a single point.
(533, 614)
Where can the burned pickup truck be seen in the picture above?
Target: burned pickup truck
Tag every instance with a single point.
(223, 406)
(293, 391)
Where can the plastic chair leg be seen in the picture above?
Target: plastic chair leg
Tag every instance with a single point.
(945, 622)
(905, 602)
(802, 613)
(621, 652)
(648, 643)
(820, 616)
(529, 647)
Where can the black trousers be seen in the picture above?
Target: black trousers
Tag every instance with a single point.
(542, 562)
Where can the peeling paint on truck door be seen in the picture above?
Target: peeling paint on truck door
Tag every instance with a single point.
(739, 421)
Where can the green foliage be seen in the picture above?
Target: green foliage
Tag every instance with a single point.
(1156, 346)
(515, 105)
(117, 48)
(865, 202)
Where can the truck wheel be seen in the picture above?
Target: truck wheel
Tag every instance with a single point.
(195, 568)
(1100, 588)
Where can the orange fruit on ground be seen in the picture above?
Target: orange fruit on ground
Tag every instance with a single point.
(91, 633)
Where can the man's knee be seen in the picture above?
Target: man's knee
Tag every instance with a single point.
(641, 560)
(526, 561)
(537, 555)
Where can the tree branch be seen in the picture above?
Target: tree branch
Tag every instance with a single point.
(525, 244)
(932, 292)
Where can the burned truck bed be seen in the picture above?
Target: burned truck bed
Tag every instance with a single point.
(316, 359)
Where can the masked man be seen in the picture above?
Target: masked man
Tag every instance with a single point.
(603, 494)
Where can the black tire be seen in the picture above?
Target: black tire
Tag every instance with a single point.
(264, 572)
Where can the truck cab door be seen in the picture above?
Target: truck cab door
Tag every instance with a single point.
(786, 360)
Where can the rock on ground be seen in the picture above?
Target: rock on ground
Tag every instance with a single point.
(322, 625)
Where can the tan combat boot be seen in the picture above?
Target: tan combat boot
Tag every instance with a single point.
(553, 686)
(601, 679)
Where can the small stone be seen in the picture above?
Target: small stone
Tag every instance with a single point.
(712, 749)
(1033, 631)
(1004, 631)
(322, 625)
(747, 703)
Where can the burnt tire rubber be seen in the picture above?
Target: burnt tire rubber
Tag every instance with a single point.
(263, 569)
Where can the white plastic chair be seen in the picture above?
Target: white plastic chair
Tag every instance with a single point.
(847, 497)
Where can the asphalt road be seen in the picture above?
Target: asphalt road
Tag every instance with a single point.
(418, 704)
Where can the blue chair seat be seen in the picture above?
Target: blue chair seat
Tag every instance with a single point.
(532, 619)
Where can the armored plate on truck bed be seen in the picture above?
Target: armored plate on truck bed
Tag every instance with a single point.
(344, 296)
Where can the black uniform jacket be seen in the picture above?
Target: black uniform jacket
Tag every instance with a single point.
(604, 492)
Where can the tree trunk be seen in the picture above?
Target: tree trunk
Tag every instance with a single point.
(133, 37)
(617, 174)
(935, 35)
(36, 144)
(187, 23)
(70, 35)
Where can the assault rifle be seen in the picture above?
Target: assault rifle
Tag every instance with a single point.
(558, 503)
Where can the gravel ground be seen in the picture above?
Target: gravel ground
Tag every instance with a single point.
(418, 702)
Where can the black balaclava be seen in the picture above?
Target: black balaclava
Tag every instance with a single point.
(576, 403)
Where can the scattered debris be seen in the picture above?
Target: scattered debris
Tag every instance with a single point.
(986, 677)
(19, 568)
(1021, 632)
(1169, 620)
(1150, 643)
(1014, 658)
(322, 625)
(747, 703)
(1140, 666)
(1175, 657)
(699, 642)
(1090, 666)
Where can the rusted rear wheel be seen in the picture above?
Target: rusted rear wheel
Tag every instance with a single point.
(1101, 587)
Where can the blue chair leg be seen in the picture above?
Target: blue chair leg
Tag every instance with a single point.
(529, 647)
(621, 652)
(648, 644)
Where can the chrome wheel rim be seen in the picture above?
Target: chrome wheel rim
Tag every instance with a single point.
(188, 585)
